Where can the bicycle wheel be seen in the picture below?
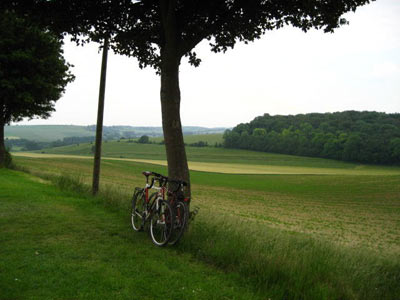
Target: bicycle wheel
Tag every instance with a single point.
(161, 223)
(138, 210)
(181, 213)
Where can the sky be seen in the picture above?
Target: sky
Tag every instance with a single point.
(285, 72)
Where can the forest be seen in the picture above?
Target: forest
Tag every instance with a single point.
(367, 137)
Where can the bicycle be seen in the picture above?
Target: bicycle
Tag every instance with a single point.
(180, 206)
(153, 209)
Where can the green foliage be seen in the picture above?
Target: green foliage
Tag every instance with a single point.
(144, 139)
(222, 21)
(33, 71)
(8, 163)
(199, 144)
(368, 137)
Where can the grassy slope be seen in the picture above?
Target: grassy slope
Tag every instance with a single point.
(46, 133)
(211, 139)
(125, 149)
(276, 237)
(58, 245)
(351, 210)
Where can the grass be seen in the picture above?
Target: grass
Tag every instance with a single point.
(211, 139)
(234, 168)
(355, 211)
(62, 245)
(287, 236)
(291, 266)
(245, 161)
(52, 234)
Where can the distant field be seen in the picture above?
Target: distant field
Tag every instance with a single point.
(354, 210)
(46, 133)
(235, 168)
(49, 133)
(211, 139)
(228, 160)
(315, 229)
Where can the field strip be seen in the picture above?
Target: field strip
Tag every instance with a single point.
(237, 168)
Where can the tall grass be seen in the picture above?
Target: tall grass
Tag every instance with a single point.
(288, 265)
(112, 196)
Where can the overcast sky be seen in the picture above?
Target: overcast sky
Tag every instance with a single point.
(285, 72)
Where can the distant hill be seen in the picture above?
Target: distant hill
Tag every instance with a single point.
(50, 133)
(368, 137)
(46, 133)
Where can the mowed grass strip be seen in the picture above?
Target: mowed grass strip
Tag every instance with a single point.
(60, 245)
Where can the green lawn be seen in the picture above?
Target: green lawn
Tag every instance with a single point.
(60, 245)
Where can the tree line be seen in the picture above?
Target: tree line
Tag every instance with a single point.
(367, 137)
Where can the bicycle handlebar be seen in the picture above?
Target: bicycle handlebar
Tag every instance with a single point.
(163, 180)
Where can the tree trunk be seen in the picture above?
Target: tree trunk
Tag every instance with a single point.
(99, 126)
(170, 95)
(171, 120)
(2, 146)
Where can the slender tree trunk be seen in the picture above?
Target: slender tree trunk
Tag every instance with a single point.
(99, 126)
(2, 146)
(171, 120)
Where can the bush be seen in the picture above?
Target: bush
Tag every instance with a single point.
(8, 161)
(144, 139)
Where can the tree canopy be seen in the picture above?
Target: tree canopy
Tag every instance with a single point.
(368, 137)
(33, 72)
(160, 32)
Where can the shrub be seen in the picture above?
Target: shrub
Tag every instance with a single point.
(8, 161)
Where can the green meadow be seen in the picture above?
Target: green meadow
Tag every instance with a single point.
(211, 139)
(62, 245)
(46, 133)
(289, 236)
(126, 149)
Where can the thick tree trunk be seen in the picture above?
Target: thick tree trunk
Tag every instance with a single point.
(171, 120)
(99, 126)
(2, 146)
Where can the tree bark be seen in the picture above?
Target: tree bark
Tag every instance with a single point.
(171, 97)
(171, 120)
(99, 126)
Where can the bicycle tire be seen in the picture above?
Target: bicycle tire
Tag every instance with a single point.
(161, 223)
(181, 213)
(138, 210)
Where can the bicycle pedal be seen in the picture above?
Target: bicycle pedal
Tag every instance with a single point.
(193, 213)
